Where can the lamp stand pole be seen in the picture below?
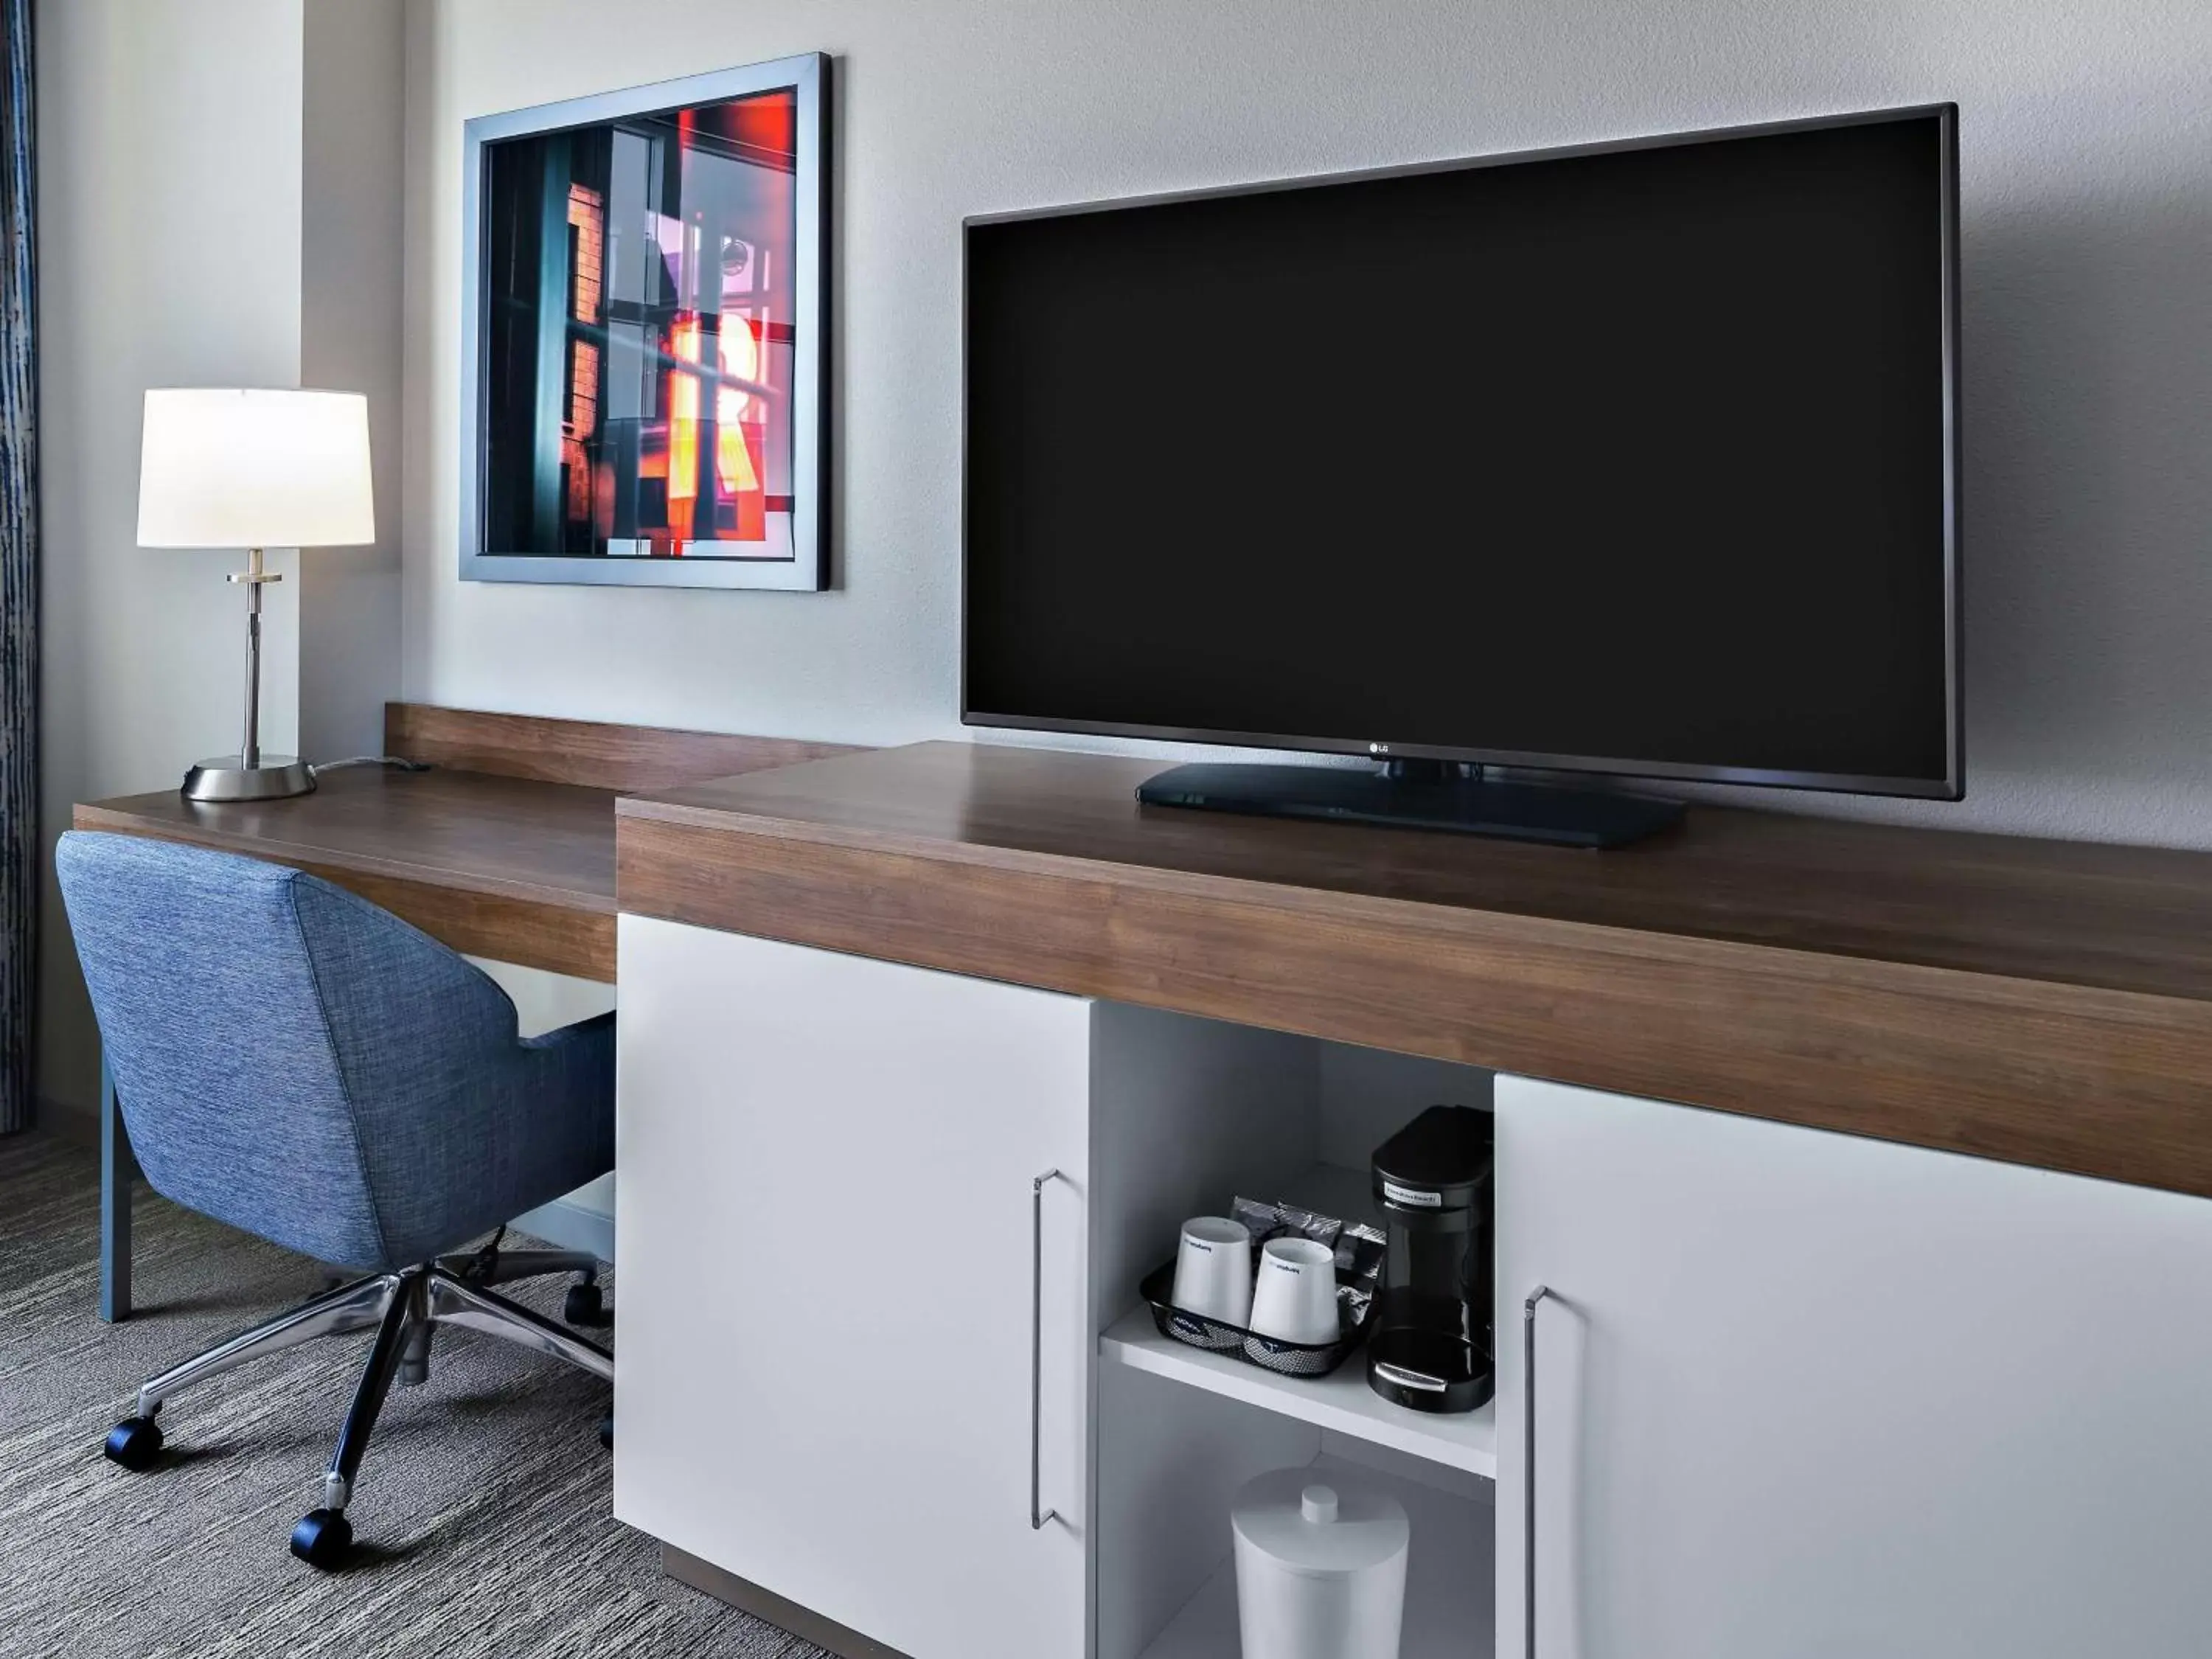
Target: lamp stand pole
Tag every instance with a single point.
(250, 775)
(249, 752)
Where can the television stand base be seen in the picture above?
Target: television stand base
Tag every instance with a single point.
(1416, 795)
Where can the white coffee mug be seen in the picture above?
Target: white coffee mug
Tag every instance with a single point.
(1214, 1269)
(1295, 1299)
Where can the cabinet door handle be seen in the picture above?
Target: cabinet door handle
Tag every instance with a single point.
(1529, 1464)
(1038, 1515)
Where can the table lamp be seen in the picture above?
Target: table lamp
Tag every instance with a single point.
(253, 468)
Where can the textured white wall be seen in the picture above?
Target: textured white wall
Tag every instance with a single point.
(2087, 173)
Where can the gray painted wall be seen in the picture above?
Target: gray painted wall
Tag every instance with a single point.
(169, 188)
(219, 234)
(219, 205)
(2087, 230)
(350, 262)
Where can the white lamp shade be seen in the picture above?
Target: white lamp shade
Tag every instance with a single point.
(236, 467)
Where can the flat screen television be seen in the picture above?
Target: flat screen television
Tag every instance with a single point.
(1639, 458)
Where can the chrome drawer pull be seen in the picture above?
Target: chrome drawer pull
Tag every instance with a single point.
(1528, 1467)
(1038, 1515)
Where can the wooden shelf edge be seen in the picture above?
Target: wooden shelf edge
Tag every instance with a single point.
(595, 754)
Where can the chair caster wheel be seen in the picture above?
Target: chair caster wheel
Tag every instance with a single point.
(323, 1539)
(607, 1433)
(135, 1442)
(584, 1305)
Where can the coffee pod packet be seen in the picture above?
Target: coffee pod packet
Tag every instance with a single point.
(1279, 1220)
(1360, 1250)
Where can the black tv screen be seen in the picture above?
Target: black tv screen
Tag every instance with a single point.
(1640, 458)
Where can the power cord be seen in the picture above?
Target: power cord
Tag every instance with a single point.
(486, 1258)
(392, 762)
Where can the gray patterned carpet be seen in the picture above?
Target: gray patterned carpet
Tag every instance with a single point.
(483, 1509)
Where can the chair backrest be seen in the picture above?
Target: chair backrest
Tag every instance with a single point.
(279, 1048)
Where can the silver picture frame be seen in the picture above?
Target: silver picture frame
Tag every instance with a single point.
(808, 76)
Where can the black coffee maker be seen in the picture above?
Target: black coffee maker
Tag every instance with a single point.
(1429, 1349)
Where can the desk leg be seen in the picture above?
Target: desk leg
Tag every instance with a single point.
(117, 1171)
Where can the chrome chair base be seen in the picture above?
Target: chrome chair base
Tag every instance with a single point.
(404, 1309)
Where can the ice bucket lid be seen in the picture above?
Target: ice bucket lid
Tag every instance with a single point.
(1320, 1523)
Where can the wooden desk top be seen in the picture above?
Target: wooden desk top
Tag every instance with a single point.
(2048, 1003)
(499, 867)
(505, 849)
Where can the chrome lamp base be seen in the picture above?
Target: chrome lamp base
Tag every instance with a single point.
(249, 775)
(224, 778)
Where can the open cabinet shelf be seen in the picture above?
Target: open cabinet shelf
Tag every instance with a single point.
(1448, 1612)
(1341, 1400)
(1187, 1115)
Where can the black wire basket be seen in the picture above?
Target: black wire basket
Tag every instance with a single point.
(1218, 1336)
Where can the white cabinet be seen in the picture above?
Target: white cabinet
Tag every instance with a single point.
(1803, 1395)
(826, 1231)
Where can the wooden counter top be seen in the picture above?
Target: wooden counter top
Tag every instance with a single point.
(505, 848)
(2048, 1003)
(504, 867)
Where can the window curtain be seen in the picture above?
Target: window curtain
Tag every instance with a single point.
(19, 576)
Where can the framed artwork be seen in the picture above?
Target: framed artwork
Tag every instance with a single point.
(645, 346)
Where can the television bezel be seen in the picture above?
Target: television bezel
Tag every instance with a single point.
(1950, 786)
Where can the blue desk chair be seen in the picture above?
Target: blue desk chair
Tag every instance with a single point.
(294, 1061)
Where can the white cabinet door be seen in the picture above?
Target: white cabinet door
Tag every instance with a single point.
(1804, 1394)
(825, 1215)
